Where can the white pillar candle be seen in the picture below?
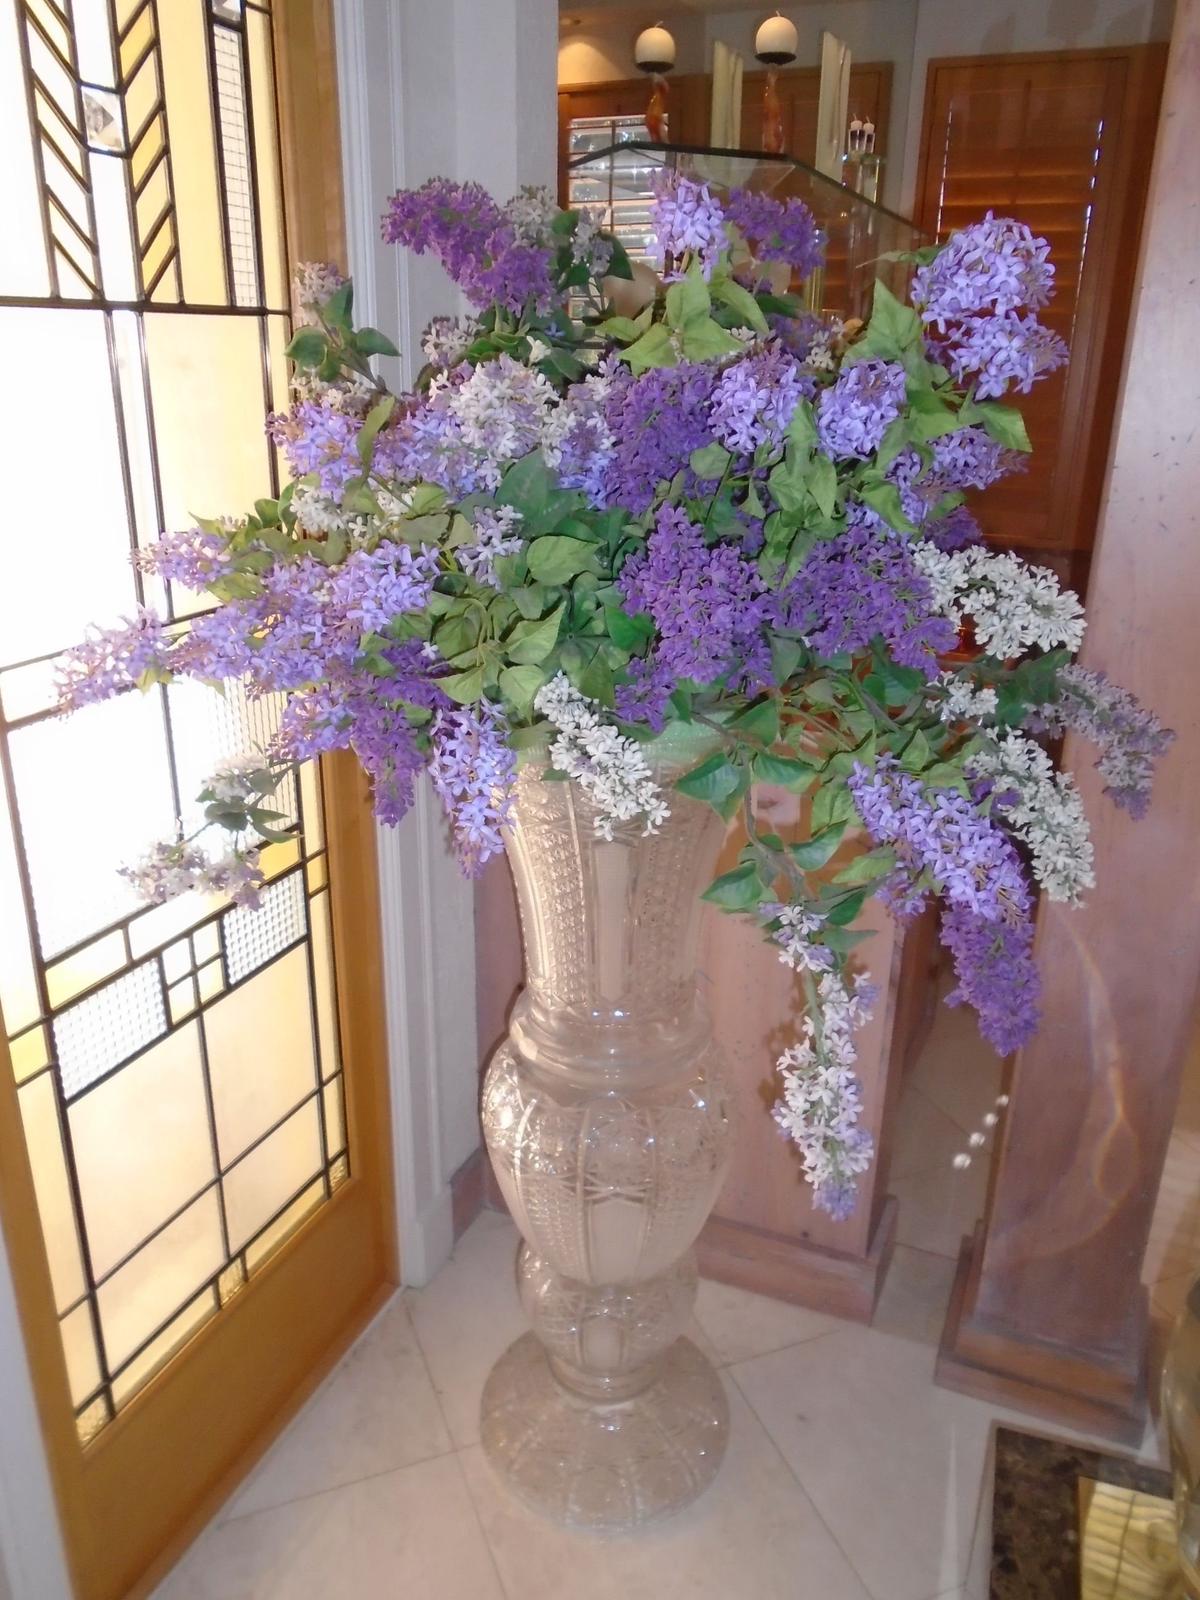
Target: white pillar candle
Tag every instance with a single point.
(776, 40)
(654, 50)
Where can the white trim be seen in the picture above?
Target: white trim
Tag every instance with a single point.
(33, 1563)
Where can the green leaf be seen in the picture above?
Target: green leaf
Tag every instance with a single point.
(831, 804)
(619, 264)
(713, 781)
(759, 722)
(518, 685)
(370, 342)
(706, 340)
(711, 461)
(802, 429)
(463, 686)
(308, 347)
(338, 307)
(741, 301)
(1005, 424)
(843, 940)
(946, 775)
(822, 484)
(815, 852)
(885, 498)
(374, 420)
(917, 754)
(786, 771)
(867, 867)
(785, 657)
(688, 301)
(530, 642)
(737, 890)
(846, 909)
(618, 328)
(626, 631)
(555, 557)
(653, 349)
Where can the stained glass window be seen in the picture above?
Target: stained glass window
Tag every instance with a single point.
(177, 1066)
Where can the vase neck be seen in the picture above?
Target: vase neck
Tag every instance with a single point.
(610, 927)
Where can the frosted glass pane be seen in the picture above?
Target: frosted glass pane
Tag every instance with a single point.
(79, 1347)
(163, 923)
(235, 151)
(270, 201)
(258, 1186)
(110, 196)
(271, 1238)
(74, 868)
(142, 1368)
(164, 1275)
(209, 728)
(98, 1033)
(29, 1053)
(80, 971)
(206, 385)
(322, 943)
(22, 251)
(18, 985)
(194, 159)
(260, 1054)
(90, 578)
(252, 938)
(142, 1146)
(40, 1118)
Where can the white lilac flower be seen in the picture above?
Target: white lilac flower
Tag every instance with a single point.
(317, 513)
(531, 212)
(446, 341)
(588, 247)
(1043, 808)
(962, 702)
(501, 410)
(610, 768)
(1011, 605)
(496, 538)
(313, 283)
(172, 867)
(794, 937)
(822, 1100)
(236, 781)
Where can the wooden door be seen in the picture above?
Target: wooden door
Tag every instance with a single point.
(799, 95)
(194, 1178)
(1062, 142)
(688, 103)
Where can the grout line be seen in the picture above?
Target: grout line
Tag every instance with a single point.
(505, 1591)
(336, 1488)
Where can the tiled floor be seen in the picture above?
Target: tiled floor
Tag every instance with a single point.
(849, 1476)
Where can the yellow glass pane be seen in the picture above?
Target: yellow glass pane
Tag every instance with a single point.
(159, 1351)
(260, 1184)
(283, 1227)
(177, 961)
(89, 1423)
(322, 948)
(79, 1347)
(142, 1146)
(68, 978)
(232, 1281)
(314, 814)
(278, 336)
(19, 1003)
(29, 1054)
(277, 858)
(194, 163)
(39, 1116)
(163, 923)
(339, 1172)
(206, 942)
(206, 385)
(316, 874)
(270, 198)
(165, 1274)
(210, 981)
(181, 999)
(136, 40)
(335, 1126)
(260, 1053)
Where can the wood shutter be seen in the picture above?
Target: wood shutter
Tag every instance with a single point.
(1062, 142)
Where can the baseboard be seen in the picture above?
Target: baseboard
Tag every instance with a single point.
(791, 1269)
(468, 1191)
(1065, 1388)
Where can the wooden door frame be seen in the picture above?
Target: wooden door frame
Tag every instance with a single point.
(358, 1241)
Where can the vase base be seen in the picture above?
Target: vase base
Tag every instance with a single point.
(608, 1468)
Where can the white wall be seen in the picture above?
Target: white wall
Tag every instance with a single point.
(909, 33)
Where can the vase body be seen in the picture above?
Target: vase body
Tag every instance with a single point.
(607, 1120)
(1181, 1409)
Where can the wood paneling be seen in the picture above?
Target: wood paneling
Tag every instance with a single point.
(1060, 141)
(1049, 1311)
(799, 94)
(687, 110)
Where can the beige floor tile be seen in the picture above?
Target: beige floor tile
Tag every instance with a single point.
(938, 1207)
(375, 1413)
(925, 1138)
(739, 1324)
(752, 1536)
(894, 1465)
(957, 1070)
(411, 1533)
(915, 1294)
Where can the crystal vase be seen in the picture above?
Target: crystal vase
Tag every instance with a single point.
(608, 1123)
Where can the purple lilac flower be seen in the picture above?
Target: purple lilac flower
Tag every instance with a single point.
(686, 219)
(708, 602)
(754, 399)
(373, 587)
(861, 586)
(797, 334)
(1131, 738)
(111, 660)
(955, 531)
(645, 697)
(583, 446)
(973, 862)
(971, 459)
(656, 421)
(473, 770)
(779, 230)
(495, 539)
(996, 973)
(315, 437)
(1000, 350)
(194, 557)
(996, 265)
(855, 413)
(920, 489)
(475, 242)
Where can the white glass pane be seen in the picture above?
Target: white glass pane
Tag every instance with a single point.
(261, 1184)
(143, 1294)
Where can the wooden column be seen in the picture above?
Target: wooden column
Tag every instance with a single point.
(1049, 1313)
(764, 1233)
